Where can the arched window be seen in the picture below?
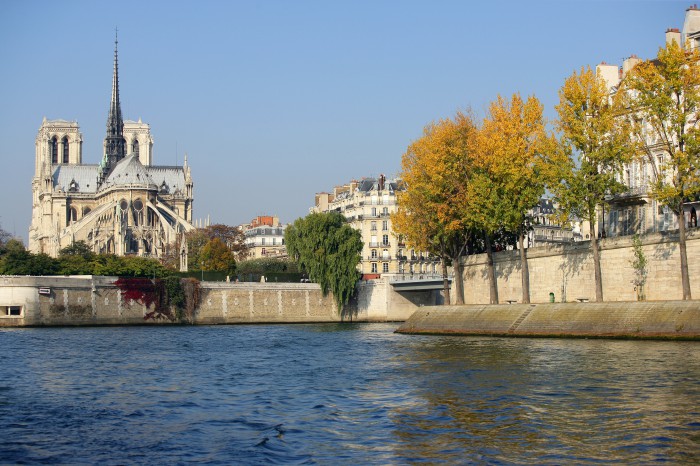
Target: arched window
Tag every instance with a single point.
(86, 210)
(138, 212)
(135, 147)
(53, 148)
(65, 149)
(72, 215)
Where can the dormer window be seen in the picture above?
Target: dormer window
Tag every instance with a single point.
(164, 189)
(73, 187)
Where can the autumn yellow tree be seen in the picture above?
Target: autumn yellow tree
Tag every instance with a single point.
(595, 138)
(435, 170)
(665, 100)
(515, 151)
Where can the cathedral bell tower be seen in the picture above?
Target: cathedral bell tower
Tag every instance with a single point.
(115, 146)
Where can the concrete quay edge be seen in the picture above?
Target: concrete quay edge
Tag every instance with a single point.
(665, 320)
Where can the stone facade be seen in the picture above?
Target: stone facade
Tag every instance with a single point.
(567, 271)
(264, 237)
(368, 205)
(123, 205)
(93, 300)
(635, 211)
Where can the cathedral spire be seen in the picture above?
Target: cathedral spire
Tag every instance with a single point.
(114, 141)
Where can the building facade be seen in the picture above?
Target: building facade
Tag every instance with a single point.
(368, 204)
(264, 237)
(635, 211)
(123, 205)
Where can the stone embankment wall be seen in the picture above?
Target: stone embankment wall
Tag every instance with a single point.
(643, 320)
(567, 271)
(92, 300)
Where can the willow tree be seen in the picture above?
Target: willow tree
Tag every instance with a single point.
(515, 152)
(595, 139)
(666, 100)
(326, 247)
(429, 213)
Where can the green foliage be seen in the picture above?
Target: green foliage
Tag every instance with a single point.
(639, 262)
(16, 260)
(204, 248)
(328, 249)
(266, 265)
(594, 146)
(216, 256)
(79, 248)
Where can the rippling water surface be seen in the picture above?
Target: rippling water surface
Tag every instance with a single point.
(341, 394)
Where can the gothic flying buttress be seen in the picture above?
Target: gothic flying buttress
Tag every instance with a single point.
(115, 147)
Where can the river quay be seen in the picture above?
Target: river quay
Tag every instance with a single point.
(678, 320)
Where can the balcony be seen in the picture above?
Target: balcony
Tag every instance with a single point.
(631, 196)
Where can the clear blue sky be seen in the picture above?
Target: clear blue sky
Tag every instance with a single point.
(274, 101)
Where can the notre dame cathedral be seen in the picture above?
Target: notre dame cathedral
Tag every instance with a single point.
(123, 205)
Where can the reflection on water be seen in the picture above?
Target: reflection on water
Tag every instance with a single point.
(342, 394)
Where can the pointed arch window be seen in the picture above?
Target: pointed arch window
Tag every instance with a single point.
(65, 149)
(53, 148)
(135, 147)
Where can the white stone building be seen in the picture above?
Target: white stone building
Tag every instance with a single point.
(264, 237)
(123, 205)
(635, 211)
(368, 205)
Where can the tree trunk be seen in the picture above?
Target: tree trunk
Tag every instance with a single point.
(524, 268)
(457, 278)
(445, 282)
(596, 262)
(685, 279)
(493, 286)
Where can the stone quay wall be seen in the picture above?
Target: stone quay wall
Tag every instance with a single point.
(634, 320)
(567, 271)
(93, 300)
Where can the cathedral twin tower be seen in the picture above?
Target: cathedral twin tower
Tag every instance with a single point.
(123, 205)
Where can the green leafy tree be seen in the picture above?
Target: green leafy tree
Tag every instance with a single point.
(665, 99)
(76, 259)
(16, 260)
(216, 256)
(595, 139)
(328, 249)
(515, 156)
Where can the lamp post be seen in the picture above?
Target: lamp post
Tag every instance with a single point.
(202, 271)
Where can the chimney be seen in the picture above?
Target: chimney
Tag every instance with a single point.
(609, 73)
(691, 26)
(673, 34)
(630, 63)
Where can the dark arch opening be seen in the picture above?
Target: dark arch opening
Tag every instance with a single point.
(65, 149)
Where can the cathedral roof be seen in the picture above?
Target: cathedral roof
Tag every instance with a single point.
(130, 172)
(75, 178)
(170, 180)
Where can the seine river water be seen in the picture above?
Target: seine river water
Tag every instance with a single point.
(341, 394)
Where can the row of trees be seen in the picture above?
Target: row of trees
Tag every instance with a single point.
(214, 248)
(470, 183)
(77, 259)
